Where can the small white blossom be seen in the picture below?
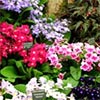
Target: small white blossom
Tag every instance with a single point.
(1, 97)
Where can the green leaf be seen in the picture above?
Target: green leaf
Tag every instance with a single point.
(75, 13)
(91, 41)
(97, 35)
(67, 36)
(98, 2)
(37, 73)
(45, 67)
(51, 18)
(20, 67)
(17, 23)
(64, 82)
(98, 79)
(43, 2)
(78, 24)
(21, 87)
(8, 79)
(47, 42)
(56, 70)
(95, 26)
(72, 81)
(28, 21)
(67, 91)
(25, 10)
(19, 64)
(7, 96)
(5, 13)
(9, 72)
(3, 62)
(75, 72)
(11, 61)
(85, 27)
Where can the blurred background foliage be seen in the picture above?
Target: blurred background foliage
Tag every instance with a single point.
(84, 16)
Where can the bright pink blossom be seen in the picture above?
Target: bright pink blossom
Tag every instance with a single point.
(36, 54)
(86, 67)
(12, 39)
(60, 50)
(61, 76)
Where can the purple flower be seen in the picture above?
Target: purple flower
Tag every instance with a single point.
(51, 30)
(18, 5)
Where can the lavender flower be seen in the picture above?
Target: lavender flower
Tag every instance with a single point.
(17, 5)
(51, 30)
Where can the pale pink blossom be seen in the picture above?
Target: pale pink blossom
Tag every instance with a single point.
(89, 48)
(98, 50)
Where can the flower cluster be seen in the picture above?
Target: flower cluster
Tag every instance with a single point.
(37, 10)
(12, 40)
(91, 57)
(36, 54)
(18, 5)
(45, 26)
(7, 87)
(15, 5)
(87, 55)
(48, 86)
(51, 30)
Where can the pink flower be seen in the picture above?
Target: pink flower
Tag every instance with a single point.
(58, 66)
(90, 48)
(37, 54)
(73, 55)
(25, 29)
(12, 40)
(94, 57)
(88, 55)
(98, 64)
(23, 53)
(61, 76)
(53, 59)
(98, 50)
(77, 59)
(85, 66)
(6, 28)
(32, 64)
(60, 50)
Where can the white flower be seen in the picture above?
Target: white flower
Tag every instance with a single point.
(62, 96)
(33, 81)
(71, 97)
(8, 87)
(56, 95)
(50, 92)
(19, 96)
(1, 97)
(50, 83)
(59, 83)
(59, 96)
(42, 80)
(32, 84)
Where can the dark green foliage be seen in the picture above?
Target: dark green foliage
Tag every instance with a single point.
(85, 20)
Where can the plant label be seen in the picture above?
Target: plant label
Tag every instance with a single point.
(28, 45)
(39, 94)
